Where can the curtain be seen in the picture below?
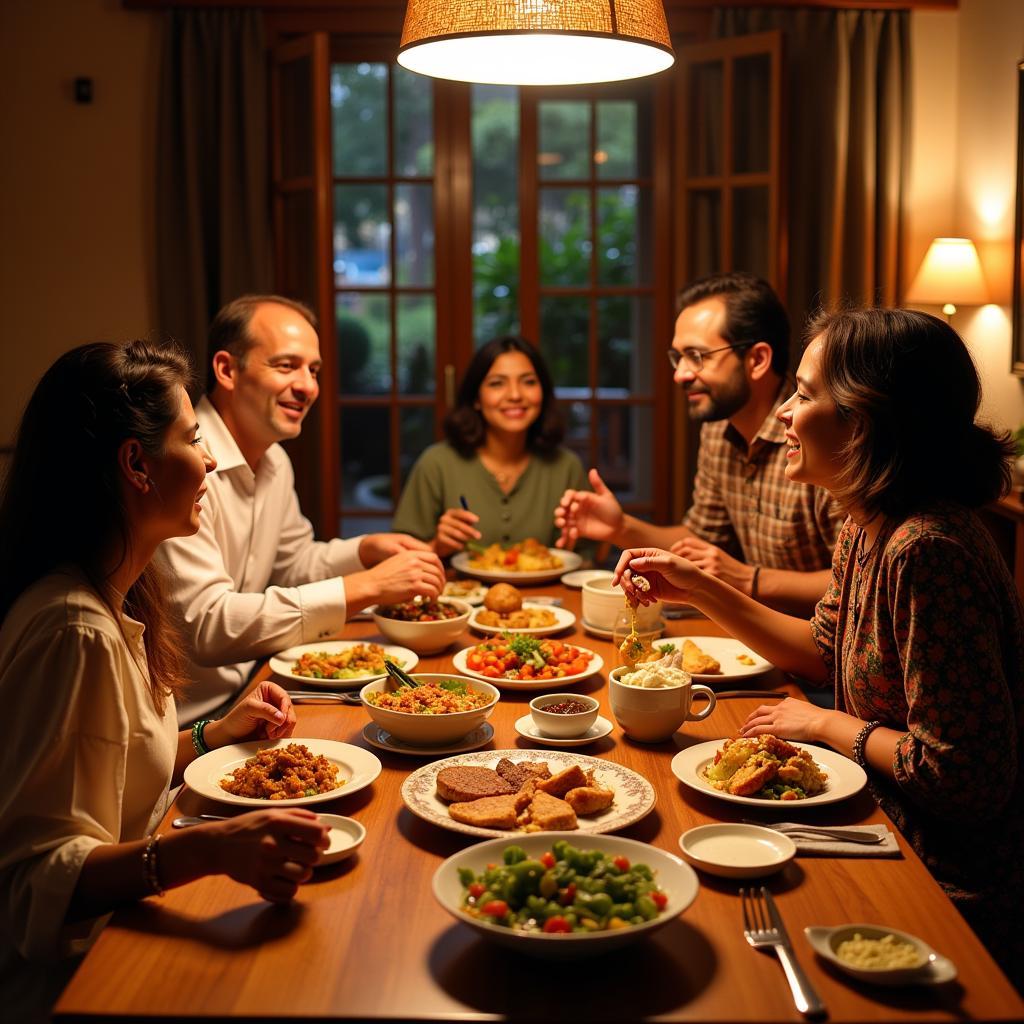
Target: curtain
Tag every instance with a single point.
(213, 199)
(847, 114)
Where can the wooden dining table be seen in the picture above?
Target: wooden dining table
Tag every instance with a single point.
(366, 940)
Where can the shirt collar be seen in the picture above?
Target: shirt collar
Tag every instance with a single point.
(217, 439)
(772, 429)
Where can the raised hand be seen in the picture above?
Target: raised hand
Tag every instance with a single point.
(264, 713)
(670, 577)
(596, 515)
(454, 529)
(375, 547)
(401, 577)
(716, 562)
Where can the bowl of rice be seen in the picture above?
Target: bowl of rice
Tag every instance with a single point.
(441, 709)
(425, 627)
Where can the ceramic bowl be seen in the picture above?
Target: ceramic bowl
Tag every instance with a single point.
(430, 730)
(426, 637)
(346, 836)
(602, 603)
(559, 726)
(732, 850)
(933, 968)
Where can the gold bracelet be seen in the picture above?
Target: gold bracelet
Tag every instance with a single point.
(151, 865)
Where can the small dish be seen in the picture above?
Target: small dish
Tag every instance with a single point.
(346, 836)
(382, 739)
(580, 576)
(525, 727)
(429, 637)
(561, 726)
(934, 970)
(731, 850)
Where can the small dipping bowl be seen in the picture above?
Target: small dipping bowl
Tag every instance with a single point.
(563, 725)
(346, 836)
(732, 850)
(933, 968)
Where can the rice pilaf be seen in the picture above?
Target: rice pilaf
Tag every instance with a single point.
(429, 699)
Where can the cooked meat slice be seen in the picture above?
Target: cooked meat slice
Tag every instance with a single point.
(487, 812)
(697, 661)
(560, 784)
(460, 783)
(780, 748)
(589, 799)
(754, 775)
(525, 795)
(516, 773)
(550, 814)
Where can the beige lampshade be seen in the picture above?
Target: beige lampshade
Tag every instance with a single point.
(535, 42)
(950, 273)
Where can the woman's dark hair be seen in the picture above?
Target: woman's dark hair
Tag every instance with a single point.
(465, 427)
(61, 502)
(908, 386)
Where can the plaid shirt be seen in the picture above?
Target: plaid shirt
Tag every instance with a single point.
(743, 503)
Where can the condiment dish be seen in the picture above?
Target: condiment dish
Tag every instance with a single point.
(933, 969)
(732, 850)
(566, 723)
(346, 835)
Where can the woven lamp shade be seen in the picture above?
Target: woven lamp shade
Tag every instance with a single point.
(536, 42)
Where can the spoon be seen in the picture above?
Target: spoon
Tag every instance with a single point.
(196, 819)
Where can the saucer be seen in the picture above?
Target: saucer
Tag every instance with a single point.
(381, 738)
(608, 634)
(577, 578)
(526, 729)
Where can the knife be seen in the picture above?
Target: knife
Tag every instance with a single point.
(726, 694)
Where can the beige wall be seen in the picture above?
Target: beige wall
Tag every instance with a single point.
(76, 262)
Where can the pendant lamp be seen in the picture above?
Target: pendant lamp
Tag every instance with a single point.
(536, 42)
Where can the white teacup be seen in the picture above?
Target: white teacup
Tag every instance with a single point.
(653, 715)
(602, 603)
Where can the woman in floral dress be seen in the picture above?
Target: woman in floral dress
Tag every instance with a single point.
(921, 630)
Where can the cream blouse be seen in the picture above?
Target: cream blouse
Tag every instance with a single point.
(85, 760)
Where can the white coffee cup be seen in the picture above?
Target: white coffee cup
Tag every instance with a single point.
(602, 603)
(652, 715)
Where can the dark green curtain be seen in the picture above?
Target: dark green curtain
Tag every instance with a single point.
(213, 199)
(847, 112)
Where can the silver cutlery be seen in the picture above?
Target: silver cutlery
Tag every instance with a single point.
(196, 819)
(763, 929)
(820, 832)
(299, 696)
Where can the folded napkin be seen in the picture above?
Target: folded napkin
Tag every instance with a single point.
(823, 845)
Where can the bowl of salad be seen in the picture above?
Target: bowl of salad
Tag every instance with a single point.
(425, 626)
(562, 894)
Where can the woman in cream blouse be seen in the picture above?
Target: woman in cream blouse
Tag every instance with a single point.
(107, 466)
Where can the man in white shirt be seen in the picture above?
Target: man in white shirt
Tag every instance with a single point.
(253, 580)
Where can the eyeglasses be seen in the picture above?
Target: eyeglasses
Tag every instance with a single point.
(694, 357)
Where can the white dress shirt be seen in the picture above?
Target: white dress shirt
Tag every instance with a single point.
(252, 581)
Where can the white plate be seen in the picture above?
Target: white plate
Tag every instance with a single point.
(595, 664)
(529, 731)
(346, 836)
(358, 769)
(934, 971)
(634, 795)
(281, 664)
(674, 878)
(563, 620)
(378, 737)
(568, 560)
(732, 850)
(475, 596)
(609, 634)
(843, 776)
(580, 576)
(725, 650)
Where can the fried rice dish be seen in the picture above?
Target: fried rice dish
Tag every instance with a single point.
(766, 768)
(283, 773)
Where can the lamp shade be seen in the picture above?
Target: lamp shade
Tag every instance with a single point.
(535, 42)
(950, 273)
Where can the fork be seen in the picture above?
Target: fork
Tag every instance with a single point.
(299, 696)
(763, 929)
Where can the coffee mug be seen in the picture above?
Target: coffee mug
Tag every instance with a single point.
(652, 715)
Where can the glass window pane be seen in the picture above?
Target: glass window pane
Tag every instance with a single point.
(564, 334)
(414, 234)
(624, 235)
(415, 323)
(417, 432)
(298, 236)
(564, 139)
(704, 226)
(565, 245)
(495, 129)
(624, 451)
(365, 458)
(751, 219)
(751, 101)
(576, 414)
(296, 125)
(616, 155)
(362, 235)
(625, 344)
(704, 136)
(364, 343)
(414, 123)
(359, 121)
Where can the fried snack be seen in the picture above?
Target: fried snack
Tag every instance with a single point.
(503, 598)
(745, 659)
(283, 773)
(486, 812)
(589, 799)
(697, 662)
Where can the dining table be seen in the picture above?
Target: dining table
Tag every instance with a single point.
(365, 939)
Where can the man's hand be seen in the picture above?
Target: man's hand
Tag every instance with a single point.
(398, 578)
(596, 515)
(375, 547)
(454, 528)
(716, 562)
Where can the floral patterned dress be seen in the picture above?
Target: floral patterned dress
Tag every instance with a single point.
(925, 632)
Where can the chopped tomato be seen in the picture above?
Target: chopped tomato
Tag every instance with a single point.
(557, 924)
(622, 863)
(548, 859)
(495, 908)
(477, 889)
(568, 894)
(512, 556)
(660, 899)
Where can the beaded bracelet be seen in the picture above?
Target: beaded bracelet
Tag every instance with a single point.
(860, 739)
(197, 737)
(753, 582)
(150, 865)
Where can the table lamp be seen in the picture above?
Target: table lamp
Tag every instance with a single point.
(950, 273)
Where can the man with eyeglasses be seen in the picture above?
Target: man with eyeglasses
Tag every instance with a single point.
(748, 524)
